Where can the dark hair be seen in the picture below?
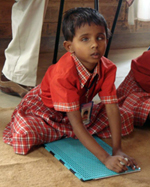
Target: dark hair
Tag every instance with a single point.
(77, 17)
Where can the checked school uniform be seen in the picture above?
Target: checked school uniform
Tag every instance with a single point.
(41, 115)
(134, 92)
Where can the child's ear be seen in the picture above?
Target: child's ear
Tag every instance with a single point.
(68, 46)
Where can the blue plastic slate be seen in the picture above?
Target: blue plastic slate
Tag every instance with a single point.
(81, 161)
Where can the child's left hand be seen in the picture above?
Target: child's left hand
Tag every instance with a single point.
(130, 161)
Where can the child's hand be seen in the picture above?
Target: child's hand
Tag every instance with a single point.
(116, 163)
(130, 161)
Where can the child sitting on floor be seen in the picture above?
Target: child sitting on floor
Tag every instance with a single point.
(134, 91)
(53, 109)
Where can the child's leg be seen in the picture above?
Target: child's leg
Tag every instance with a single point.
(134, 99)
(32, 123)
(27, 134)
(100, 125)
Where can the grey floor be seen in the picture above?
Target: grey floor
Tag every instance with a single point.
(122, 58)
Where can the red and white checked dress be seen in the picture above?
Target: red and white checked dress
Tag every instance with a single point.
(35, 123)
(134, 92)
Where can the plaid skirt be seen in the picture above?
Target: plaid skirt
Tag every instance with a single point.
(33, 123)
(134, 99)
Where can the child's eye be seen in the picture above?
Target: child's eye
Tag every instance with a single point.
(99, 38)
(84, 39)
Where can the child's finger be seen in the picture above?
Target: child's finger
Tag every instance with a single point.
(133, 164)
(123, 161)
(121, 164)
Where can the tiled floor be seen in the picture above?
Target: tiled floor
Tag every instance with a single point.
(122, 58)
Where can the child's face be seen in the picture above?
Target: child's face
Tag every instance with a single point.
(89, 44)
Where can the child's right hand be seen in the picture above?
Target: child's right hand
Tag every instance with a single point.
(115, 163)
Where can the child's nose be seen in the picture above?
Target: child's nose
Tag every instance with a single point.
(94, 44)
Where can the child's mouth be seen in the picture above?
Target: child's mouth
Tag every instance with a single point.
(95, 55)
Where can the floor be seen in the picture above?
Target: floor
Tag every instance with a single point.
(122, 58)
